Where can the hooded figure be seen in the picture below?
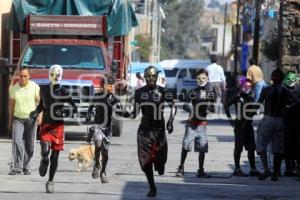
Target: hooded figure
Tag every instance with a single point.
(291, 121)
(52, 99)
(152, 141)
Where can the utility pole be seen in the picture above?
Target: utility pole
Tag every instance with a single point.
(237, 35)
(256, 30)
(224, 36)
(154, 33)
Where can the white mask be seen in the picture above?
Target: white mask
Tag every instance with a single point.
(55, 74)
(202, 80)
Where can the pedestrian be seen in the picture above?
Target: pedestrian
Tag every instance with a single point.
(23, 98)
(255, 74)
(271, 127)
(243, 129)
(52, 99)
(216, 78)
(103, 102)
(151, 138)
(202, 99)
(291, 120)
(140, 81)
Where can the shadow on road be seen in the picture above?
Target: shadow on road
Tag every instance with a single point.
(200, 189)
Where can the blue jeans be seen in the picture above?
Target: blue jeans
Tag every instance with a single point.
(258, 88)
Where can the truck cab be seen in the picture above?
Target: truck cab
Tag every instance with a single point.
(80, 45)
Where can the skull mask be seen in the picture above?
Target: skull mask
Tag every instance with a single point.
(290, 79)
(202, 79)
(55, 74)
(151, 76)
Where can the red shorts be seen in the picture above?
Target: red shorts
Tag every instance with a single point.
(54, 134)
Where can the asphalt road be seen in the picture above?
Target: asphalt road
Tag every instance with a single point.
(128, 182)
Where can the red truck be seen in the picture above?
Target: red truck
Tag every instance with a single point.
(82, 46)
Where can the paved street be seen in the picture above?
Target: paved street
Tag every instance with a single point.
(128, 182)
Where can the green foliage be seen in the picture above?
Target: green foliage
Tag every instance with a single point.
(144, 44)
(182, 29)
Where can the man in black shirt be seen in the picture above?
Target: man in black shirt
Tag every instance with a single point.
(271, 128)
(104, 102)
(52, 100)
(202, 99)
(151, 138)
(243, 130)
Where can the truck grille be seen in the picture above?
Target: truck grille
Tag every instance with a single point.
(80, 94)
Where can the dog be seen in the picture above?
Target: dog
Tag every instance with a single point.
(85, 156)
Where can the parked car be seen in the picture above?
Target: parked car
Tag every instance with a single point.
(181, 75)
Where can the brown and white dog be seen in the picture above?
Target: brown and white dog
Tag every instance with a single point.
(84, 154)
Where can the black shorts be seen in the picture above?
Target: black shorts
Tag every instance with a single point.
(152, 148)
(244, 136)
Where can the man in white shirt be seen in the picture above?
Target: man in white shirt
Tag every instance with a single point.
(216, 78)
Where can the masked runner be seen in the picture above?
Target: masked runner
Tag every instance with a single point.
(151, 138)
(103, 102)
(53, 97)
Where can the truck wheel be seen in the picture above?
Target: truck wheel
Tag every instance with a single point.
(117, 126)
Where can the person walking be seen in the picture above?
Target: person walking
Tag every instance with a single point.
(216, 78)
(23, 98)
(140, 82)
(255, 74)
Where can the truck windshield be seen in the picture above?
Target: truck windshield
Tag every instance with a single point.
(171, 72)
(68, 56)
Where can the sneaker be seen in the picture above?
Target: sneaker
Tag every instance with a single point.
(254, 172)
(43, 167)
(49, 187)
(96, 171)
(103, 177)
(26, 172)
(152, 193)
(180, 172)
(239, 172)
(264, 175)
(14, 172)
(203, 174)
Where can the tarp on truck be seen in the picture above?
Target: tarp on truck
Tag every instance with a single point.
(121, 17)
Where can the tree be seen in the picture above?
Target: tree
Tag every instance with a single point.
(182, 35)
(144, 46)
